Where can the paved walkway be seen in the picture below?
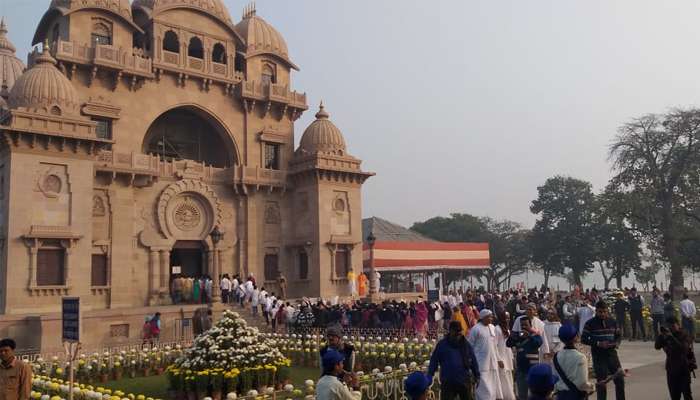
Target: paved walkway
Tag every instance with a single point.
(647, 378)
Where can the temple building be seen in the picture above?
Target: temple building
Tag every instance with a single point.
(152, 140)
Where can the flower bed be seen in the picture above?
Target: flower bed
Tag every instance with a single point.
(370, 352)
(47, 388)
(230, 357)
(96, 367)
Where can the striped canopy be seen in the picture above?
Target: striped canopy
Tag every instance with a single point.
(426, 256)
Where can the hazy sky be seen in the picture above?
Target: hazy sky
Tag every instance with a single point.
(468, 106)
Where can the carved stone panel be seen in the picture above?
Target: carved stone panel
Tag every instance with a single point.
(340, 214)
(188, 210)
(273, 221)
(51, 197)
(119, 331)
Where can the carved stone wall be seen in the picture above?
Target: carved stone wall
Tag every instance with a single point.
(340, 214)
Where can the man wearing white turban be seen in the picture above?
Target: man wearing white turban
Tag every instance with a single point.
(482, 337)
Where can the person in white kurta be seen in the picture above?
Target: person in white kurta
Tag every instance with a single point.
(505, 358)
(482, 337)
(551, 333)
(538, 326)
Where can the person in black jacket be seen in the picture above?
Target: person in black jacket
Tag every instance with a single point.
(636, 305)
(603, 335)
(621, 307)
(680, 358)
(459, 370)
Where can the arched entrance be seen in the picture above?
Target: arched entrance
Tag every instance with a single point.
(189, 133)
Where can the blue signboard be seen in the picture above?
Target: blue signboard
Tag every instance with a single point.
(70, 313)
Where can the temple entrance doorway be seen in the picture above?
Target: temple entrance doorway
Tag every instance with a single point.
(188, 255)
(186, 268)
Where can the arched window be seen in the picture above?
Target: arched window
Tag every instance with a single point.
(239, 62)
(218, 54)
(171, 42)
(195, 48)
(268, 74)
(101, 32)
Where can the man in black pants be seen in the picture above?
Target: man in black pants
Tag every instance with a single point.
(680, 358)
(621, 308)
(636, 306)
(603, 335)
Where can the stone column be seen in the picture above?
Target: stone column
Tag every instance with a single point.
(164, 266)
(32, 265)
(209, 270)
(153, 266)
(67, 266)
(216, 290)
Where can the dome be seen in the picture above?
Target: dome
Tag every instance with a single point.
(215, 8)
(43, 87)
(261, 38)
(10, 66)
(322, 136)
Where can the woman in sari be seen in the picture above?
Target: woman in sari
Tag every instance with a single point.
(421, 319)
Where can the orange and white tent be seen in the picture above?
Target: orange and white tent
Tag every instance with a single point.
(399, 249)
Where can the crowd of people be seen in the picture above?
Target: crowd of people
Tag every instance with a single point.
(494, 341)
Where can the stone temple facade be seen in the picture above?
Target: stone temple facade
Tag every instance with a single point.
(152, 139)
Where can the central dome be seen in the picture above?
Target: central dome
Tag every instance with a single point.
(43, 89)
(215, 8)
(322, 136)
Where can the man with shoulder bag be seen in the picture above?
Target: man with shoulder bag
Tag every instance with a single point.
(571, 366)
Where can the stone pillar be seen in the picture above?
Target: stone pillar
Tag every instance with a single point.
(215, 289)
(164, 266)
(209, 270)
(67, 266)
(153, 266)
(32, 265)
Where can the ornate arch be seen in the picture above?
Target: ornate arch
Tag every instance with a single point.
(188, 205)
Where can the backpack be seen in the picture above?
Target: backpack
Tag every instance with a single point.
(154, 330)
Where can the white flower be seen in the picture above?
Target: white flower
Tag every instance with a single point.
(253, 393)
(289, 387)
(309, 382)
(231, 396)
(388, 369)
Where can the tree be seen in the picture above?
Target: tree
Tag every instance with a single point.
(563, 235)
(656, 159)
(509, 250)
(455, 228)
(617, 245)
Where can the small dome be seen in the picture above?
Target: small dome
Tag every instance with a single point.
(322, 136)
(215, 8)
(122, 7)
(261, 38)
(10, 66)
(43, 88)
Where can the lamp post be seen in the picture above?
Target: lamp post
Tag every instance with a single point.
(373, 289)
(216, 236)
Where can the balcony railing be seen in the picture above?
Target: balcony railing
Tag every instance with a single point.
(194, 66)
(152, 165)
(273, 92)
(104, 55)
